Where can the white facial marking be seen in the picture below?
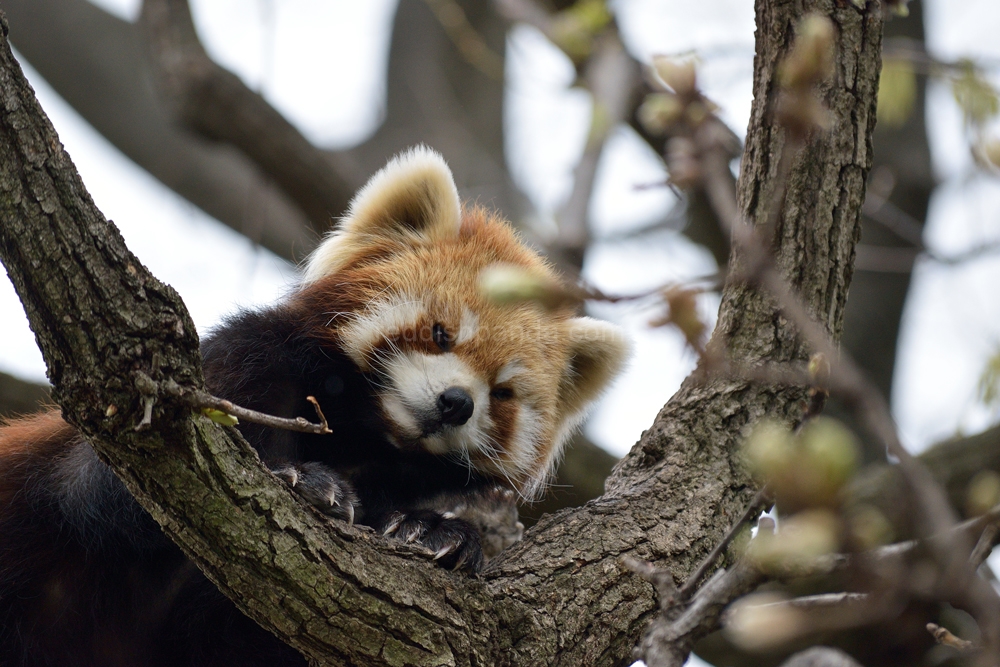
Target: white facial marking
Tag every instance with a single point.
(511, 370)
(415, 380)
(401, 416)
(467, 327)
(383, 318)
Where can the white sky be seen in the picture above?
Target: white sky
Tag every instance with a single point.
(323, 65)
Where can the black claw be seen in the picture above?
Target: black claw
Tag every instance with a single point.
(453, 543)
(322, 488)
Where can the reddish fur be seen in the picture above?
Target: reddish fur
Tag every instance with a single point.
(445, 276)
(40, 437)
(87, 578)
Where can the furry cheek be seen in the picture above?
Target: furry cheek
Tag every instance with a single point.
(516, 438)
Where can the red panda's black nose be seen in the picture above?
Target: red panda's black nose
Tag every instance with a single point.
(456, 406)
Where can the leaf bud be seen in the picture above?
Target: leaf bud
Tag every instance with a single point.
(761, 621)
(770, 451)
(991, 151)
(506, 284)
(800, 540)
(983, 493)
(659, 111)
(819, 369)
(680, 75)
(831, 451)
(220, 417)
(869, 527)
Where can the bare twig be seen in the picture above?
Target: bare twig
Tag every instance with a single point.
(915, 52)
(900, 259)
(944, 637)
(668, 641)
(202, 399)
(753, 509)
(216, 103)
(661, 579)
(612, 77)
(985, 545)
(469, 42)
(198, 399)
(826, 600)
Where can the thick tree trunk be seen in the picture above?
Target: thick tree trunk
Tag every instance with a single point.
(115, 339)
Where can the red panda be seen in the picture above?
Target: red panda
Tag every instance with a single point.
(443, 406)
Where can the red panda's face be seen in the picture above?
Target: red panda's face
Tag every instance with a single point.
(455, 374)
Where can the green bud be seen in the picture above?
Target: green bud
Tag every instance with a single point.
(897, 92)
(770, 451)
(761, 621)
(220, 417)
(983, 493)
(831, 451)
(659, 111)
(506, 284)
(991, 151)
(680, 75)
(869, 527)
(800, 540)
(811, 59)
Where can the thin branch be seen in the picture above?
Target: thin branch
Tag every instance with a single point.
(944, 637)
(896, 259)
(896, 220)
(466, 38)
(825, 600)
(201, 400)
(753, 509)
(217, 104)
(526, 11)
(668, 641)
(984, 547)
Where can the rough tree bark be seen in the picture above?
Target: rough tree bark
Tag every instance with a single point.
(115, 340)
(875, 310)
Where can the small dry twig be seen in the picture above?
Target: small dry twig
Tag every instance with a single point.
(202, 399)
(985, 545)
(198, 399)
(944, 637)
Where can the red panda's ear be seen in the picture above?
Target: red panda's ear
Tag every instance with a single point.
(412, 199)
(598, 352)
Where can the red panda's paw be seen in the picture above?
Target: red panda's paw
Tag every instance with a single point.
(455, 543)
(321, 487)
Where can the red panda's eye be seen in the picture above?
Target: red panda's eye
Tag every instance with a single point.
(441, 337)
(502, 393)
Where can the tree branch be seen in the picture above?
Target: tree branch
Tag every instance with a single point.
(96, 62)
(215, 103)
(340, 594)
